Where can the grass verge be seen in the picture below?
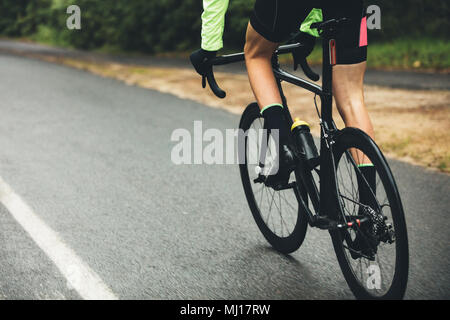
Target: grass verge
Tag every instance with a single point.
(403, 54)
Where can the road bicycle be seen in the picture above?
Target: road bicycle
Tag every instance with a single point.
(370, 238)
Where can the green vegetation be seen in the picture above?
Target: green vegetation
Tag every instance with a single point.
(413, 35)
(407, 53)
(424, 53)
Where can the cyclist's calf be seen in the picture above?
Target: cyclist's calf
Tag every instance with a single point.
(348, 90)
(258, 53)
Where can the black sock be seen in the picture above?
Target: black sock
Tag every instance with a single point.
(274, 119)
(367, 191)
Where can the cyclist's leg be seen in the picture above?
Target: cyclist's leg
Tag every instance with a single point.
(258, 53)
(271, 23)
(349, 96)
(348, 74)
(348, 79)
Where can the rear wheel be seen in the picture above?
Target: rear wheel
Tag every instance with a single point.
(277, 213)
(373, 254)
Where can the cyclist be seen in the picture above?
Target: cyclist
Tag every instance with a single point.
(271, 23)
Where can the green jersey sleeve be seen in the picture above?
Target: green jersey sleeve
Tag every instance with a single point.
(213, 23)
(314, 16)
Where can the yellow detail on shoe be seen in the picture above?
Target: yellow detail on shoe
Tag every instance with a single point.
(298, 122)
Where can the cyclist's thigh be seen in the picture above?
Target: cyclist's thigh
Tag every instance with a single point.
(351, 43)
(275, 20)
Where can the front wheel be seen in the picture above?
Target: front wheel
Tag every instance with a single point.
(373, 254)
(276, 212)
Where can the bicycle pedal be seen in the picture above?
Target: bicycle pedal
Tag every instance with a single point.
(260, 179)
(281, 187)
(324, 223)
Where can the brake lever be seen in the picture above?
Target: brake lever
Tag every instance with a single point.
(299, 54)
(203, 81)
(308, 71)
(296, 63)
(213, 84)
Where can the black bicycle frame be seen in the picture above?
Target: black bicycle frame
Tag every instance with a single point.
(327, 203)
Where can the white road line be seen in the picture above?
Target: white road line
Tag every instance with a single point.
(78, 274)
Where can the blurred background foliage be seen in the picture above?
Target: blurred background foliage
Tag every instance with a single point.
(155, 26)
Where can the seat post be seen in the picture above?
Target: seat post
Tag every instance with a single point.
(327, 82)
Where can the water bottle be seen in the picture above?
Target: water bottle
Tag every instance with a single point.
(304, 141)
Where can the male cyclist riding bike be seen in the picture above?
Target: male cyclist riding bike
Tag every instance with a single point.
(271, 23)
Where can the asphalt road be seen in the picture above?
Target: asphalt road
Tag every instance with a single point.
(91, 157)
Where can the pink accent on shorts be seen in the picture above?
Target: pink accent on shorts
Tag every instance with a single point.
(363, 33)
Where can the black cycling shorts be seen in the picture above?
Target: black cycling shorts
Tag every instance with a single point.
(276, 20)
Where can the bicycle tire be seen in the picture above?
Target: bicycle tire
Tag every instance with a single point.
(356, 139)
(295, 239)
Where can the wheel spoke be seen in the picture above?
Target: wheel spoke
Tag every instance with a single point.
(364, 258)
(269, 204)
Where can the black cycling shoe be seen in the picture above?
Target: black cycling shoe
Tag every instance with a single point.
(278, 175)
